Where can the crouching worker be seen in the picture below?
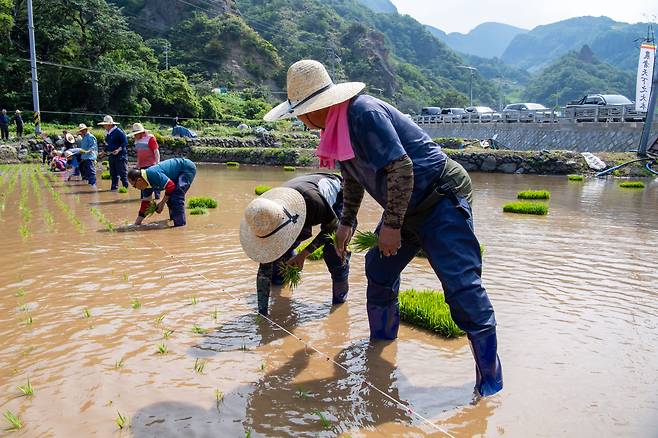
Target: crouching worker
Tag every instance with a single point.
(426, 198)
(275, 224)
(174, 177)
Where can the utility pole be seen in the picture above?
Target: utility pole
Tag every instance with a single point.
(166, 49)
(470, 82)
(33, 68)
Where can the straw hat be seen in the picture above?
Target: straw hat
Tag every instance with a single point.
(310, 88)
(68, 154)
(107, 120)
(70, 138)
(81, 127)
(271, 224)
(18, 111)
(138, 128)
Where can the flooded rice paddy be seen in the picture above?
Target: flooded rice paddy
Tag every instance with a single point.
(159, 325)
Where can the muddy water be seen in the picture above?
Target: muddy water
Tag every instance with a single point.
(575, 294)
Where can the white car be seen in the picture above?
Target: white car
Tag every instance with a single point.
(481, 114)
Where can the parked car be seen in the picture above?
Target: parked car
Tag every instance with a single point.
(528, 112)
(449, 115)
(482, 113)
(604, 108)
(430, 111)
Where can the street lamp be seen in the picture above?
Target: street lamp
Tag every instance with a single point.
(470, 82)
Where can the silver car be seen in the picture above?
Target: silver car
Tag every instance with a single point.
(482, 114)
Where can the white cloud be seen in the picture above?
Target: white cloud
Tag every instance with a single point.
(462, 16)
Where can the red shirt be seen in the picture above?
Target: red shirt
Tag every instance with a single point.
(145, 148)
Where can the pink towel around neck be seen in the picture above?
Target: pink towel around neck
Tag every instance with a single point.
(335, 143)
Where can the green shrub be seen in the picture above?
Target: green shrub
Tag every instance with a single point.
(198, 210)
(428, 310)
(534, 194)
(105, 175)
(123, 190)
(201, 202)
(632, 185)
(232, 164)
(259, 190)
(524, 207)
(315, 255)
(575, 177)
(289, 169)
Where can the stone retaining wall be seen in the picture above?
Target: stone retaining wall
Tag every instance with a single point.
(580, 137)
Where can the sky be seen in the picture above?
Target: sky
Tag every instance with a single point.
(464, 15)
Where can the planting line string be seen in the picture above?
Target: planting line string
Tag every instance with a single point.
(306, 345)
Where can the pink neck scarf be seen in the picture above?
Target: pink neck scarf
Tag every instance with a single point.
(335, 143)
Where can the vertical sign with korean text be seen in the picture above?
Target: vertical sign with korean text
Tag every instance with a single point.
(644, 76)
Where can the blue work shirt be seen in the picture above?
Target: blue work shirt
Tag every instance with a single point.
(114, 140)
(90, 144)
(381, 134)
(4, 120)
(160, 174)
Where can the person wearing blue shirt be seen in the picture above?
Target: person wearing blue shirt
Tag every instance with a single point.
(89, 149)
(174, 177)
(116, 149)
(4, 125)
(426, 198)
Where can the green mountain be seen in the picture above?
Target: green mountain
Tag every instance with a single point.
(611, 41)
(380, 6)
(575, 74)
(487, 40)
(437, 32)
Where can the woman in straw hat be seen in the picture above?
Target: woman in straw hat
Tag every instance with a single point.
(116, 149)
(426, 199)
(148, 154)
(278, 221)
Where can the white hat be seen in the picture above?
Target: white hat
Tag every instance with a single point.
(107, 120)
(310, 88)
(271, 224)
(138, 128)
(70, 138)
(81, 127)
(68, 153)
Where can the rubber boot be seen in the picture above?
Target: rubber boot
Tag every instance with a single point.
(488, 370)
(384, 320)
(339, 290)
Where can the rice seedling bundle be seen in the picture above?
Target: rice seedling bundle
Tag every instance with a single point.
(315, 255)
(259, 190)
(106, 175)
(428, 310)
(364, 240)
(233, 164)
(525, 207)
(632, 185)
(15, 423)
(26, 389)
(153, 206)
(202, 202)
(291, 275)
(123, 190)
(575, 177)
(198, 210)
(289, 169)
(534, 194)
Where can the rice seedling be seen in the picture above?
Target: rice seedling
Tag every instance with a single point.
(232, 164)
(160, 318)
(23, 307)
(162, 348)
(364, 240)
(262, 366)
(291, 275)
(198, 330)
(123, 190)
(632, 185)
(326, 424)
(219, 397)
(316, 255)
(27, 389)
(214, 315)
(15, 423)
(203, 202)
(247, 434)
(289, 169)
(194, 300)
(121, 420)
(259, 190)
(119, 364)
(20, 292)
(29, 320)
(106, 175)
(525, 207)
(199, 365)
(124, 275)
(575, 177)
(86, 313)
(534, 194)
(153, 206)
(24, 230)
(428, 310)
(302, 393)
(166, 333)
(243, 347)
(135, 303)
(196, 211)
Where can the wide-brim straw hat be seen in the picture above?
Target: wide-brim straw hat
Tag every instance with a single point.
(271, 224)
(137, 128)
(107, 120)
(310, 88)
(70, 138)
(81, 127)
